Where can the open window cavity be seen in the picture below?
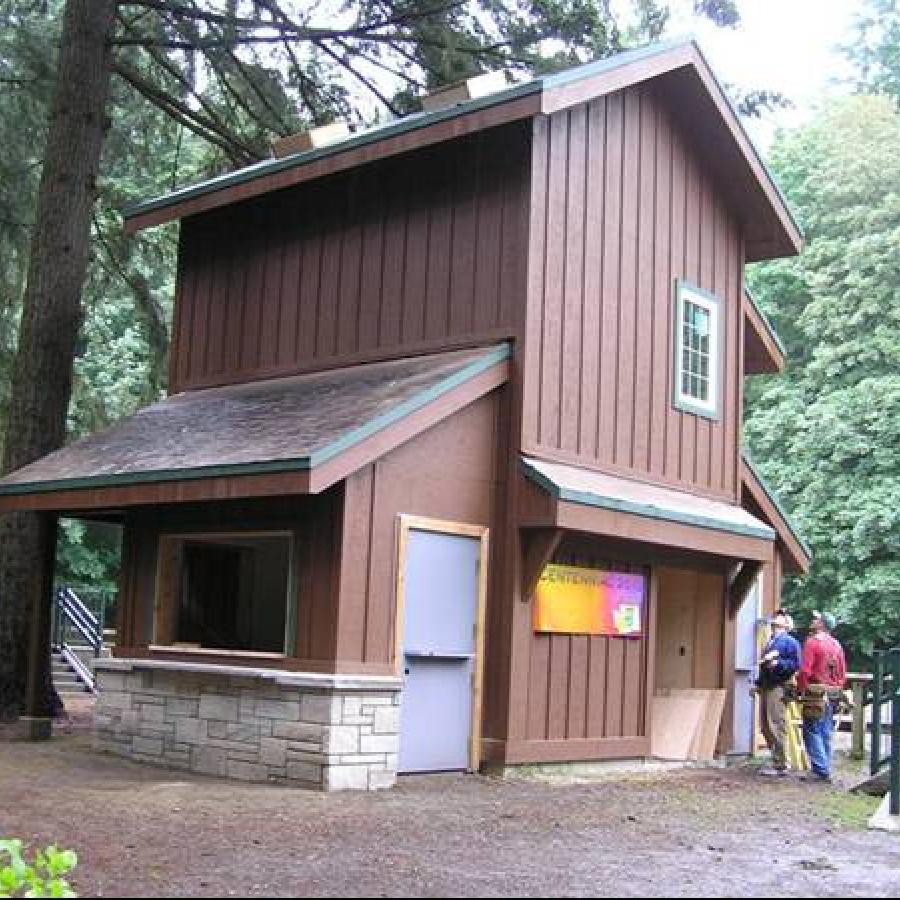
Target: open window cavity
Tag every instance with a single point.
(225, 592)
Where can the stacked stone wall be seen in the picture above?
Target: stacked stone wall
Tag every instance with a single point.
(324, 732)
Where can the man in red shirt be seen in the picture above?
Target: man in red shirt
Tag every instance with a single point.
(823, 663)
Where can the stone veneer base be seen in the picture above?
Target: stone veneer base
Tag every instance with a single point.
(326, 732)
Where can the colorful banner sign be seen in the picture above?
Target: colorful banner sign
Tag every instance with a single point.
(572, 600)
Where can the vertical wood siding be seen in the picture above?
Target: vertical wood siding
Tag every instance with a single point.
(621, 208)
(446, 473)
(423, 251)
(584, 687)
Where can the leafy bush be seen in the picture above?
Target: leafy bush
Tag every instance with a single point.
(42, 877)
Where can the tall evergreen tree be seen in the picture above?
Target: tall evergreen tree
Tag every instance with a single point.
(51, 310)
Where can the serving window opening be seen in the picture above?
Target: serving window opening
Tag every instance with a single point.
(225, 592)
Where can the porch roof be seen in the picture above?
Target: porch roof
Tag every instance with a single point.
(293, 435)
(584, 500)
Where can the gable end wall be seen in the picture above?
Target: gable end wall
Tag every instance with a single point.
(622, 207)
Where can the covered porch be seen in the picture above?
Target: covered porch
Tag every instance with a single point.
(686, 563)
(247, 644)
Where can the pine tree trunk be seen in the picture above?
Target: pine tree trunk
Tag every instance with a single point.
(51, 314)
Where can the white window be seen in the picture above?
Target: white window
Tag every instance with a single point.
(697, 351)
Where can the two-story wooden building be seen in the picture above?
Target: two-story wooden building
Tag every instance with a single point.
(450, 474)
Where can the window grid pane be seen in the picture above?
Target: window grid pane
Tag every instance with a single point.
(696, 342)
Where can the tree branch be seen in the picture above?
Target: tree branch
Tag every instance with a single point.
(283, 23)
(169, 67)
(234, 148)
(345, 63)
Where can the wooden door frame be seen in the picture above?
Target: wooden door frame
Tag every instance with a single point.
(409, 523)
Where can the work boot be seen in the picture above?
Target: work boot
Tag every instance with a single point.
(815, 778)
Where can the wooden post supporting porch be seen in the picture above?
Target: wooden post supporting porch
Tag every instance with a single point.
(36, 723)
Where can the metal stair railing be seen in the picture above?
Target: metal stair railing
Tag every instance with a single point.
(886, 689)
(72, 613)
(82, 672)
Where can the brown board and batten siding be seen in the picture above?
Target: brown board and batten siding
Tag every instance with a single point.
(587, 691)
(424, 251)
(622, 207)
(448, 473)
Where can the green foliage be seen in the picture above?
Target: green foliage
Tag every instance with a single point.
(876, 48)
(827, 434)
(88, 555)
(41, 877)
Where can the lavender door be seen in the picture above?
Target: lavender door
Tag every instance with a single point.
(745, 657)
(439, 645)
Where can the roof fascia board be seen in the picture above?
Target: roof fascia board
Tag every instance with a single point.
(380, 443)
(402, 410)
(581, 86)
(800, 551)
(117, 498)
(410, 133)
(764, 321)
(791, 228)
(673, 536)
(615, 73)
(641, 509)
(302, 464)
(766, 335)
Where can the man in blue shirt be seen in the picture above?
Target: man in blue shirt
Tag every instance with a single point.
(778, 665)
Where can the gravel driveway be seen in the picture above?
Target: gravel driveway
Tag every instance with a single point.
(713, 832)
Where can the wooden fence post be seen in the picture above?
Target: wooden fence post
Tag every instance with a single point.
(858, 726)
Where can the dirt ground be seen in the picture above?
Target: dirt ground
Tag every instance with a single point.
(143, 832)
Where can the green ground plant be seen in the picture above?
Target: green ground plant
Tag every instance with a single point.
(848, 810)
(42, 876)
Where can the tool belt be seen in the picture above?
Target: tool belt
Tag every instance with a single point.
(814, 700)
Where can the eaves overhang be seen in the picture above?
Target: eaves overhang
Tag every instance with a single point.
(584, 500)
(293, 435)
(759, 497)
(764, 354)
(681, 67)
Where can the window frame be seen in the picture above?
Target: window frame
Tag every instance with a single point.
(289, 645)
(685, 291)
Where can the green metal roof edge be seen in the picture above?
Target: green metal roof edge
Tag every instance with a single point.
(270, 467)
(372, 135)
(412, 123)
(610, 63)
(745, 453)
(765, 320)
(641, 509)
(155, 476)
(407, 407)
